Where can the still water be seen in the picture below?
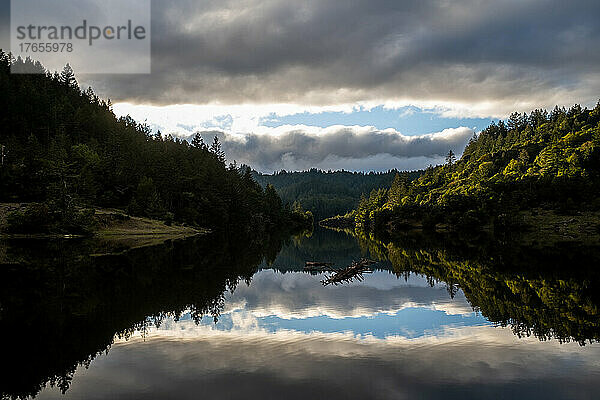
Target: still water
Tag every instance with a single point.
(205, 318)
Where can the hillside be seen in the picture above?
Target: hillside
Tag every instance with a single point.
(531, 162)
(327, 194)
(64, 148)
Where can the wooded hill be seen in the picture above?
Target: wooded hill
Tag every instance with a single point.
(548, 160)
(327, 193)
(64, 147)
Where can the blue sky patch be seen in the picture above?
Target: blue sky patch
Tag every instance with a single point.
(407, 120)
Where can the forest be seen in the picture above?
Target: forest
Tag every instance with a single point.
(531, 162)
(327, 193)
(65, 152)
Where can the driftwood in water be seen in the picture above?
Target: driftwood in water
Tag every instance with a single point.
(350, 273)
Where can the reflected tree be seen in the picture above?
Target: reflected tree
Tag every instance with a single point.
(62, 307)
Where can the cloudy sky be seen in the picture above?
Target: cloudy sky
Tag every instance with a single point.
(360, 85)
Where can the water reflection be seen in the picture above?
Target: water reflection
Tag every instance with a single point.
(381, 306)
(548, 292)
(61, 306)
(423, 325)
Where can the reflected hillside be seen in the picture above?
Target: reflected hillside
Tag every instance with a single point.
(323, 245)
(61, 307)
(545, 292)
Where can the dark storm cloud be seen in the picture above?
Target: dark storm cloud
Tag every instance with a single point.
(298, 148)
(510, 53)
(333, 51)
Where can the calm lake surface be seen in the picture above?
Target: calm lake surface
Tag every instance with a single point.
(205, 318)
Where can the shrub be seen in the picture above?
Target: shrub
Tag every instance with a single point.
(44, 219)
(36, 218)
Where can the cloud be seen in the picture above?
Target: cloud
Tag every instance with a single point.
(228, 64)
(351, 147)
(472, 57)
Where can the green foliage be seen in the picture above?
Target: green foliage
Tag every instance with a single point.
(540, 302)
(65, 146)
(369, 209)
(48, 218)
(35, 218)
(550, 159)
(301, 218)
(328, 194)
(146, 201)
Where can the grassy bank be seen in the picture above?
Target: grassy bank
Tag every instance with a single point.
(107, 224)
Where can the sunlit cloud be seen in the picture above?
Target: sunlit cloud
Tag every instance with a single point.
(353, 148)
(298, 147)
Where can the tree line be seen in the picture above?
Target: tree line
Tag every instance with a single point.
(327, 193)
(63, 147)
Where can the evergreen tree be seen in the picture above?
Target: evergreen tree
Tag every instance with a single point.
(198, 142)
(67, 77)
(541, 159)
(398, 189)
(450, 158)
(215, 148)
(67, 149)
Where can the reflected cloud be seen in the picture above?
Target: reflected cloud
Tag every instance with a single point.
(295, 295)
(381, 307)
(471, 360)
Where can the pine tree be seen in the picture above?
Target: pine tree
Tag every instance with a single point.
(450, 158)
(398, 189)
(215, 148)
(198, 142)
(67, 77)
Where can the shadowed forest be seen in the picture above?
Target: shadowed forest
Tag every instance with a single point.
(328, 193)
(65, 150)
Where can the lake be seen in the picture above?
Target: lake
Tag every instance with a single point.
(438, 317)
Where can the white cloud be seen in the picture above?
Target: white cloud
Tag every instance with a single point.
(300, 147)
(353, 148)
(295, 295)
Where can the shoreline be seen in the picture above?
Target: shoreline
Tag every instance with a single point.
(536, 226)
(111, 224)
